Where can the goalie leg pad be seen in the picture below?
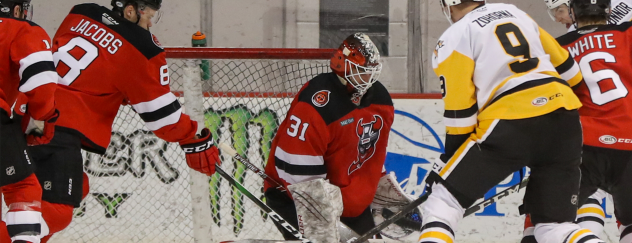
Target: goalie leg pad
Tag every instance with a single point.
(318, 207)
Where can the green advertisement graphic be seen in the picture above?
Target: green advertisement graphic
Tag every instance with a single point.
(111, 203)
(241, 124)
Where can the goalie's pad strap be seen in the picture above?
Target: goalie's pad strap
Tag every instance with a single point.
(318, 207)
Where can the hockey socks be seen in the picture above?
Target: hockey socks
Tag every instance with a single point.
(591, 216)
(582, 235)
(24, 215)
(442, 213)
(436, 231)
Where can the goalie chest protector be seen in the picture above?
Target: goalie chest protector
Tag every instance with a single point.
(325, 135)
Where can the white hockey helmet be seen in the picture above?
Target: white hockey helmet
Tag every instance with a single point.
(552, 6)
(445, 6)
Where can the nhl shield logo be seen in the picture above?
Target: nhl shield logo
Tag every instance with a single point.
(48, 185)
(321, 98)
(368, 135)
(10, 171)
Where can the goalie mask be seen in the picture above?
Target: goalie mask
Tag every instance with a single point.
(446, 4)
(357, 60)
(141, 7)
(590, 9)
(7, 8)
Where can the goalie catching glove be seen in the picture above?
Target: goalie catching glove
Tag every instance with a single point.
(201, 153)
(39, 132)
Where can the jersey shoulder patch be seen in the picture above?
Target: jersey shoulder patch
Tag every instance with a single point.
(328, 96)
(140, 38)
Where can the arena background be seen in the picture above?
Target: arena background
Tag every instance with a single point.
(413, 29)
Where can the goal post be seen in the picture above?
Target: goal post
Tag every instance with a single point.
(142, 189)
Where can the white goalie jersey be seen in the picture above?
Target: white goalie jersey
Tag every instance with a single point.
(497, 63)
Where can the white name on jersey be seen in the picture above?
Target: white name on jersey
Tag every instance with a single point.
(618, 13)
(99, 35)
(592, 42)
(486, 19)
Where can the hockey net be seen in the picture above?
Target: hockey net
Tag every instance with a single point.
(143, 191)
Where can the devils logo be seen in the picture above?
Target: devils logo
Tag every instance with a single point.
(368, 135)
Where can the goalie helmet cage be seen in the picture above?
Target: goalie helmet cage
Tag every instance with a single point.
(142, 189)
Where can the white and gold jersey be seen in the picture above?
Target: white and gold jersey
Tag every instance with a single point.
(621, 12)
(497, 63)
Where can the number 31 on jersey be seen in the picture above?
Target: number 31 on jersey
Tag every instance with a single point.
(292, 131)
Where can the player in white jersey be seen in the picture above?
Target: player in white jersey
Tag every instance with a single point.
(621, 11)
(508, 104)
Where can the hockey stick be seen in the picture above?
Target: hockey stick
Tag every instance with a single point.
(344, 230)
(416, 225)
(389, 221)
(277, 218)
(233, 153)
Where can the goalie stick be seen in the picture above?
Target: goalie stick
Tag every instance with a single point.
(397, 216)
(416, 225)
(344, 230)
(276, 217)
(233, 153)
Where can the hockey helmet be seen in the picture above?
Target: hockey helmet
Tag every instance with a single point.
(553, 5)
(446, 4)
(7, 6)
(590, 8)
(357, 60)
(119, 5)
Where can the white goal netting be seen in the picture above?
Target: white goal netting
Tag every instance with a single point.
(142, 189)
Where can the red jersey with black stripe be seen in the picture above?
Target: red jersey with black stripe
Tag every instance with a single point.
(26, 65)
(604, 57)
(325, 135)
(103, 61)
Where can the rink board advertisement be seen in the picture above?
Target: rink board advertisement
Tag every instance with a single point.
(140, 190)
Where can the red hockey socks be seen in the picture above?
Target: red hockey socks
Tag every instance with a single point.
(24, 215)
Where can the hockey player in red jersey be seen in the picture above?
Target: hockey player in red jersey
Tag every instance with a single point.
(337, 129)
(603, 54)
(106, 58)
(26, 65)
